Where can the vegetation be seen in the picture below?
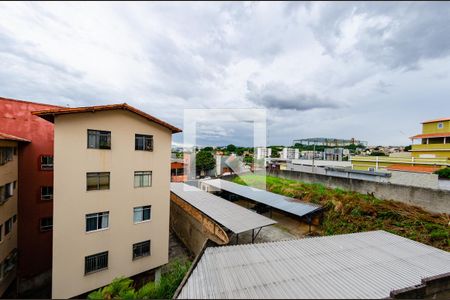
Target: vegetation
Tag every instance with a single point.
(377, 153)
(347, 212)
(444, 173)
(204, 161)
(407, 148)
(122, 288)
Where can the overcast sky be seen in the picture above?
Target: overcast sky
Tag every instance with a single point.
(372, 71)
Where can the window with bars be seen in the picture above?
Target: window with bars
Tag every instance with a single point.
(97, 181)
(46, 193)
(6, 154)
(143, 142)
(46, 224)
(142, 178)
(142, 213)
(98, 139)
(97, 221)
(96, 262)
(46, 162)
(141, 249)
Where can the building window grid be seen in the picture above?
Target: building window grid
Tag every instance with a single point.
(97, 181)
(143, 142)
(46, 193)
(8, 226)
(97, 221)
(96, 262)
(46, 224)
(141, 249)
(99, 139)
(142, 179)
(142, 213)
(46, 162)
(6, 155)
(6, 191)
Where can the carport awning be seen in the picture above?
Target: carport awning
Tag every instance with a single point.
(286, 204)
(232, 216)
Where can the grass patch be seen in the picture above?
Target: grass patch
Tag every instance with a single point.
(348, 212)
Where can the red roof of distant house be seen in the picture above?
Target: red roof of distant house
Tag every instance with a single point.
(430, 135)
(10, 137)
(437, 120)
(50, 114)
(417, 169)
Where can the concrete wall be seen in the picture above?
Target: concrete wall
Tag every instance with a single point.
(433, 200)
(71, 242)
(424, 180)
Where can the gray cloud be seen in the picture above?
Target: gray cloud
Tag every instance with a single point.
(281, 96)
(398, 36)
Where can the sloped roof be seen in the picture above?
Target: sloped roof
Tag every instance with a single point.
(417, 169)
(349, 266)
(10, 137)
(430, 135)
(436, 120)
(49, 114)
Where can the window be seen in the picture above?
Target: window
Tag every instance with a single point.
(6, 191)
(95, 262)
(46, 162)
(97, 181)
(6, 155)
(97, 221)
(142, 213)
(1, 236)
(14, 218)
(143, 142)
(440, 125)
(99, 139)
(142, 178)
(141, 249)
(46, 193)
(46, 224)
(8, 226)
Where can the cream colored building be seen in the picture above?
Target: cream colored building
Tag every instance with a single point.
(8, 209)
(111, 195)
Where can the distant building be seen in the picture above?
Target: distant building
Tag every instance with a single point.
(430, 154)
(290, 153)
(263, 152)
(329, 142)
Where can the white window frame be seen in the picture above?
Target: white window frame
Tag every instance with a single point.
(46, 227)
(46, 196)
(140, 244)
(138, 214)
(139, 177)
(103, 216)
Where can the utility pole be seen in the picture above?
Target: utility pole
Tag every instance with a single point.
(314, 155)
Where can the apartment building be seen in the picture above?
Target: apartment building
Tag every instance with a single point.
(9, 175)
(263, 152)
(35, 187)
(111, 195)
(290, 153)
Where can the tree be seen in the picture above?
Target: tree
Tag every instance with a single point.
(231, 148)
(443, 173)
(204, 161)
(248, 160)
(407, 148)
(207, 149)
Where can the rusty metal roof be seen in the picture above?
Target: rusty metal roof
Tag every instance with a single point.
(232, 216)
(350, 266)
(49, 114)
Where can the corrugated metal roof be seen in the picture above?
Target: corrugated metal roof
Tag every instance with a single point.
(358, 265)
(234, 217)
(290, 205)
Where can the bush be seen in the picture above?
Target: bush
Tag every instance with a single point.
(444, 173)
(122, 288)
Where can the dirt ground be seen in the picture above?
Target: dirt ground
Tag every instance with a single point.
(287, 228)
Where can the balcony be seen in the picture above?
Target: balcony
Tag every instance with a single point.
(431, 147)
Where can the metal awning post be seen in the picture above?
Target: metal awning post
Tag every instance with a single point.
(237, 239)
(254, 236)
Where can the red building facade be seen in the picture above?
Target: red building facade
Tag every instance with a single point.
(35, 202)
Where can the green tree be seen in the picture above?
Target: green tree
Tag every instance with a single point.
(443, 173)
(377, 153)
(407, 148)
(204, 161)
(231, 148)
(207, 149)
(248, 160)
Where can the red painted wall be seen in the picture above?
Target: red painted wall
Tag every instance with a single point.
(35, 247)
